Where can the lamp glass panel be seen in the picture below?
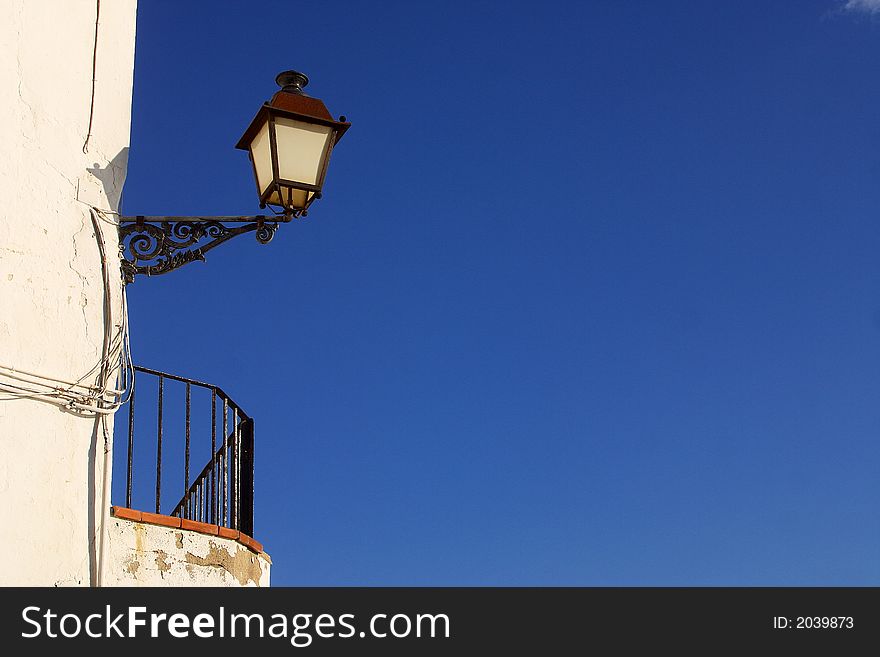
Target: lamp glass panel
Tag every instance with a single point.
(301, 149)
(301, 198)
(262, 154)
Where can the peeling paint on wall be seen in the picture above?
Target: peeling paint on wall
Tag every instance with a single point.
(161, 564)
(243, 564)
(143, 554)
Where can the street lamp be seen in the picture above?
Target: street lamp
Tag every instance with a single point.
(289, 142)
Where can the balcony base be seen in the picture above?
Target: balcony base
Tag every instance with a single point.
(148, 549)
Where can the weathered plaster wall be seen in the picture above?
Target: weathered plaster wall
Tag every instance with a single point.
(51, 288)
(142, 554)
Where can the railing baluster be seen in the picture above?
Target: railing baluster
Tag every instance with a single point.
(233, 475)
(186, 457)
(225, 461)
(213, 456)
(159, 444)
(247, 477)
(130, 443)
(238, 473)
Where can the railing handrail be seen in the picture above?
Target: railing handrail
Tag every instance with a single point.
(195, 382)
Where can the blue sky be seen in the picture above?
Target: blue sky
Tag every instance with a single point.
(592, 297)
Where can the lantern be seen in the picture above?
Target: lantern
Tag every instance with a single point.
(290, 141)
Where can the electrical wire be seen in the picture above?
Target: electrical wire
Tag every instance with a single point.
(85, 148)
(97, 398)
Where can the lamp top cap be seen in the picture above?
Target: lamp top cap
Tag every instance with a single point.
(292, 82)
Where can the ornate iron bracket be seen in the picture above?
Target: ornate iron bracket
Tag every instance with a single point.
(157, 245)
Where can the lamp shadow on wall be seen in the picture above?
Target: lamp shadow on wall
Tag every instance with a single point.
(112, 176)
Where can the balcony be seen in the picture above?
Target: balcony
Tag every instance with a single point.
(187, 451)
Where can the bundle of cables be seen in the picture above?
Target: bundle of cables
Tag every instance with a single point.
(93, 393)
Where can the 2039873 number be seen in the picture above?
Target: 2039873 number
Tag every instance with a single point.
(824, 622)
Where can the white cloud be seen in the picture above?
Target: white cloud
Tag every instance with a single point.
(863, 6)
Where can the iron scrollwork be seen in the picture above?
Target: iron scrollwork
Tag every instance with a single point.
(157, 245)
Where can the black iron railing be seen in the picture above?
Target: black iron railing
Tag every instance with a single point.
(222, 492)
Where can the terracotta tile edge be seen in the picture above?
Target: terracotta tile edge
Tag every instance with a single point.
(124, 512)
(246, 540)
(200, 527)
(190, 525)
(226, 532)
(160, 519)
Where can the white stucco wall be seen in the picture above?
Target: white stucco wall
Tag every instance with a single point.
(51, 288)
(141, 554)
